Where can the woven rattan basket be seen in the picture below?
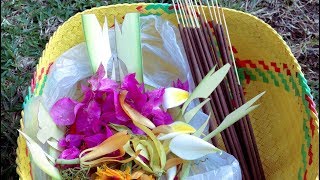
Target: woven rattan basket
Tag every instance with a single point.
(285, 125)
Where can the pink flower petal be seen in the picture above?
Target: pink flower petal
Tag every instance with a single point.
(62, 143)
(96, 78)
(98, 82)
(156, 96)
(82, 123)
(155, 99)
(108, 132)
(135, 129)
(94, 111)
(179, 84)
(129, 81)
(94, 140)
(161, 118)
(108, 117)
(74, 140)
(62, 112)
(135, 97)
(98, 126)
(106, 84)
(70, 153)
(77, 107)
(108, 104)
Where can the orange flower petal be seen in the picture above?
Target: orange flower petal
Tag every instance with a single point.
(165, 129)
(113, 143)
(105, 173)
(146, 177)
(137, 174)
(109, 159)
(133, 114)
(173, 162)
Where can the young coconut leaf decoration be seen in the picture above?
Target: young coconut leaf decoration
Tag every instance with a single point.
(128, 44)
(49, 132)
(40, 158)
(207, 85)
(117, 69)
(48, 129)
(97, 40)
(197, 147)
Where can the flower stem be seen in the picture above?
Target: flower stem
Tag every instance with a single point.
(68, 161)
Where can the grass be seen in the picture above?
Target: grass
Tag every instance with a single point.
(27, 25)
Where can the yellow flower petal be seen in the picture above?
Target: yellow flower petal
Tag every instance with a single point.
(182, 127)
(166, 146)
(174, 97)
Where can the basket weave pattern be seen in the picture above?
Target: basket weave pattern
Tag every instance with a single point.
(286, 123)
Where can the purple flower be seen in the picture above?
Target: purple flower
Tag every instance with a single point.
(82, 123)
(88, 120)
(70, 153)
(136, 98)
(135, 129)
(155, 98)
(98, 82)
(108, 132)
(88, 93)
(108, 104)
(86, 116)
(71, 140)
(94, 140)
(160, 117)
(179, 84)
(96, 78)
(62, 112)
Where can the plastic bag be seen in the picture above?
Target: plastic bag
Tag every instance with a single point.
(221, 166)
(164, 61)
(71, 67)
(213, 166)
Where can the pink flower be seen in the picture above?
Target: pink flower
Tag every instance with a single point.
(179, 84)
(89, 119)
(70, 153)
(62, 112)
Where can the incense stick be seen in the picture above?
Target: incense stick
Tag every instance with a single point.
(222, 109)
(206, 47)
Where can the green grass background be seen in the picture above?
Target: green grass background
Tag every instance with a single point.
(26, 26)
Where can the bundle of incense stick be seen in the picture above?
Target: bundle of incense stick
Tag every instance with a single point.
(207, 44)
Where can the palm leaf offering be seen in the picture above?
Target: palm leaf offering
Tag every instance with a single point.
(119, 129)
